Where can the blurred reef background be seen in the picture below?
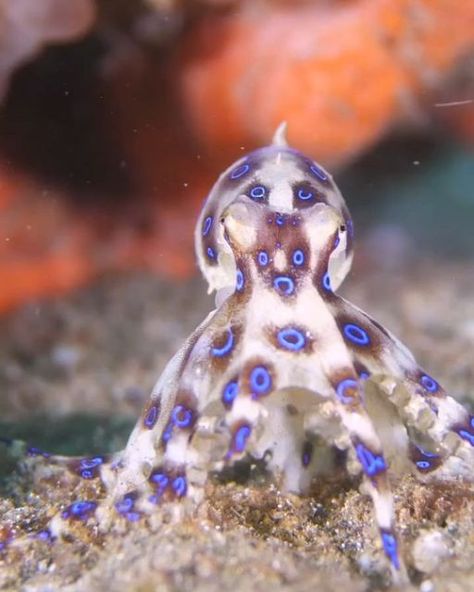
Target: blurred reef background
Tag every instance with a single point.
(116, 116)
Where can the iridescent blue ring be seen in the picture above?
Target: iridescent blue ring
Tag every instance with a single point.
(160, 480)
(284, 284)
(318, 172)
(327, 282)
(262, 258)
(206, 227)
(182, 416)
(151, 417)
(229, 393)
(342, 387)
(258, 192)
(219, 352)
(240, 438)
(429, 383)
(298, 257)
(373, 464)
(90, 463)
(356, 334)
(239, 280)
(390, 547)
(260, 380)
(291, 339)
(179, 485)
(211, 253)
(240, 171)
(304, 194)
(423, 464)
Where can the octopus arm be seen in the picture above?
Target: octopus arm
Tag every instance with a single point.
(413, 412)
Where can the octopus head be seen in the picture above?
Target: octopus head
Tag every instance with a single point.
(275, 187)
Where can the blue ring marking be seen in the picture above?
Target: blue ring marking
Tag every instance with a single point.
(211, 254)
(390, 546)
(44, 535)
(258, 192)
(307, 454)
(239, 280)
(151, 417)
(372, 464)
(79, 510)
(342, 387)
(167, 433)
(318, 172)
(35, 451)
(87, 474)
(429, 383)
(327, 282)
(304, 194)
(160, 480)
(350, 227)
(229, 393)
(91, 463)
(423, 465)
(364, 375)
(206, 227)
(298, 257)
(471, 421)
(125, 505)
(260, 381)
(280, 219)
(465, 435)
(182, 416)
(133, 516)
(239, 171)
(284, 284)
(240, 438)
(180, 485)
(356, 334)
(262, 258)
(336, 242)
(291, 339)
(219, 352)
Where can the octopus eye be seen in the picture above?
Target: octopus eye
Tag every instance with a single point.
(342, 228)
(258, 192)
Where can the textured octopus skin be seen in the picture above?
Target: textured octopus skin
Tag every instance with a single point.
(282, 364)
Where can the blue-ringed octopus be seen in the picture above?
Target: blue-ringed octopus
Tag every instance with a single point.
(283, 369)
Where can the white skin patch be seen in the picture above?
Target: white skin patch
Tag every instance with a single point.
(283, 360)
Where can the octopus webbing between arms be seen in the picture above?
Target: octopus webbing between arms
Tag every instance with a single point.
(282, 364)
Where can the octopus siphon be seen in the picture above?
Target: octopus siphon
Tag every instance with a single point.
(283, 369)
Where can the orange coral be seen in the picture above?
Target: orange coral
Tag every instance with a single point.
(340, 73)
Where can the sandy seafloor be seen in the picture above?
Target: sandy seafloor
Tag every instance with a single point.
(74, 374)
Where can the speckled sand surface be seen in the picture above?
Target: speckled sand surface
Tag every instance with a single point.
(87, 362)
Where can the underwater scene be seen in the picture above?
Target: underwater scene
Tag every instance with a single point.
(236, 295)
